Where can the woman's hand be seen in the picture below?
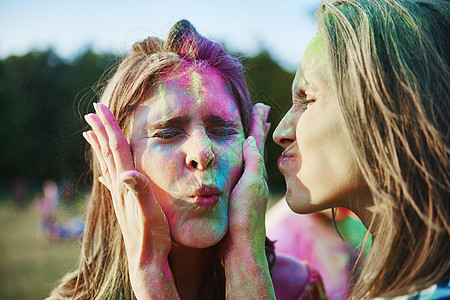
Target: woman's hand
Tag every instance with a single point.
(248, 200)
(246, 266)
(143, 224)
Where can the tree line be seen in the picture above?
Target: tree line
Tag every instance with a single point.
(44, 98)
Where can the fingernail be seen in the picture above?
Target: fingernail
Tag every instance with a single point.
(95, 107)
(86, 137)
(130, 181)
(251, 141)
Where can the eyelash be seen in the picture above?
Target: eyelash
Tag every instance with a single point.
(303, 101)
(307, 103)
(167, 133)
(172, 133)
(223, 132)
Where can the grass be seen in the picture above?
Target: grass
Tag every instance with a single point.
(31, 265)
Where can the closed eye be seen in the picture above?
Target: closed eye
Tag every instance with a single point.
(223, 131)
(168, 133)
(303, 100)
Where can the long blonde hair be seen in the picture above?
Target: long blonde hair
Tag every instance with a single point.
(103, 268)
(390, 65)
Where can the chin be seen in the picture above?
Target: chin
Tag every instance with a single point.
(295, 202)
(298, 197)
(202, 238)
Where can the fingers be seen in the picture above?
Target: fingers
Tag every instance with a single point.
(140, 186)
(91, 138)
(259, 127)
(118, 144)
(136, 182)
(253, 160)
(249, 197)
(109, 143)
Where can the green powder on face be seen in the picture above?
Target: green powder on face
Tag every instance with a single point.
(162, 93)
(197, 86)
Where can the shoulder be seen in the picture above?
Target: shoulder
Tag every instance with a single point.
(293, 279)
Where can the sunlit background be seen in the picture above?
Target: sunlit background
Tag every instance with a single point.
(52, 53)
(283, 28)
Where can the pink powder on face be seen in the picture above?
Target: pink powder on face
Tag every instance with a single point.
(191, 117)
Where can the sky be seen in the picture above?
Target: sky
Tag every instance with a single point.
(284, 28)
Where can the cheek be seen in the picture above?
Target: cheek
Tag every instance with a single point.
(318, 144)
(230, 163)
(307, 133)
(325, 153)
(158, 162)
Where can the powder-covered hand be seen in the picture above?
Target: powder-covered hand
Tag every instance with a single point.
(144, 227)
(249, 197)
(246, 266)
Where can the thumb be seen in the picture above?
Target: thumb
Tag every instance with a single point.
(139, 185)
(253, 160)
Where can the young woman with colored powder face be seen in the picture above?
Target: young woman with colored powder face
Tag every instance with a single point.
(368, 130)
(184, 139)
(178, 203)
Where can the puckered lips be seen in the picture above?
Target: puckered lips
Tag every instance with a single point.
(206, 196)
(288, 154)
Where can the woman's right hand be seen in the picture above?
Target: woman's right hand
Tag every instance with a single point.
(144, 227)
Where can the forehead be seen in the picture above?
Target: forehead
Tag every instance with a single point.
(314, 68)
(192, 90)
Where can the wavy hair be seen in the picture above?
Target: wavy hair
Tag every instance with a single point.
(103, 267)
(390, 66)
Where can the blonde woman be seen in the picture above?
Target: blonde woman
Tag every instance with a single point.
(179, 196)
(368, 130)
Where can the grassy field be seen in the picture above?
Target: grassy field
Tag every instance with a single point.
(30, 266)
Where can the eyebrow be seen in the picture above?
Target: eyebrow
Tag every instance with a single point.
(218, 120)
(182, 120)
(171, 122)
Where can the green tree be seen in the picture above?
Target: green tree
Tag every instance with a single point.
(44, 99)
(269, 83)
(40, 120)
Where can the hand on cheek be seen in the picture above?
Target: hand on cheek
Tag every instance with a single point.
(246, 266)
(248, 199)
(143, 224)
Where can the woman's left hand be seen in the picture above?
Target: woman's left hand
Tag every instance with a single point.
(246, 266)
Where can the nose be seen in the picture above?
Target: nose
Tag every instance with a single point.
(199, 153)
(284, 134)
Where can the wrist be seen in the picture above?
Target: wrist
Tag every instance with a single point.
(246, 241)
(245, 253)
(247, 273)
(153, 280)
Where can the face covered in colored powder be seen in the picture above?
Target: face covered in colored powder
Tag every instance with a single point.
(318, 164)
(187, 139)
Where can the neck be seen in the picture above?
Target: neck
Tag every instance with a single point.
(189, 266)
(364, 208)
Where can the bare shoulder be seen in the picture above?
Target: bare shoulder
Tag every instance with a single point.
(294, 280)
